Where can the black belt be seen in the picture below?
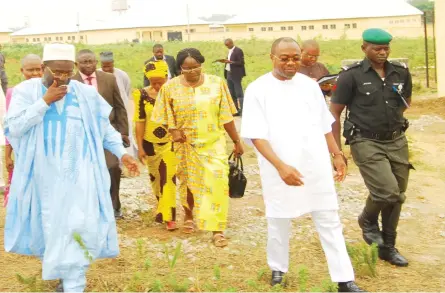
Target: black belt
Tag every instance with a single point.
(379, 136)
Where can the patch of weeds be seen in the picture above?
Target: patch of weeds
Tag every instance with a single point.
(148, 219)
(135, 283)
(82, 245)
(303, 277)
(156, 287)
(252, 284)
(179, 286)
(329, 286)
(217, 272)
(30, 283)
(364, 258)
(277, 288)
(172, 260)
(262, 273)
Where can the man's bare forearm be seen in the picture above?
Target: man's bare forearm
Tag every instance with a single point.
(265, 149)
(332, 143)
(336, 129)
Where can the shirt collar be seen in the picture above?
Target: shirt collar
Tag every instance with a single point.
(366, 65)
(163, 58)
(84, 77)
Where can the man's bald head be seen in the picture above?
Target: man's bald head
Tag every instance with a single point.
(31, 66)
(310, 53)
(285, 56)
(310, 44)
(280, 41)
(31, 58)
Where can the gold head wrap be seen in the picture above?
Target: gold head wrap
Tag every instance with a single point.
(156, 69)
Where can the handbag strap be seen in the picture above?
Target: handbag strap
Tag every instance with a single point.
(239, 161)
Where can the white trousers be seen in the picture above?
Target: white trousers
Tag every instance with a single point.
(330, 231)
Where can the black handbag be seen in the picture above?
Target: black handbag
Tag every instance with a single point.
(237, 179)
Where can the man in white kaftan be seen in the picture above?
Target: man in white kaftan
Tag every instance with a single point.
(124, 85)
(287, 121)
(60, 191)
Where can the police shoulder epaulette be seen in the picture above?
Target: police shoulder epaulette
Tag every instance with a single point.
(399, 64)
(350, 66)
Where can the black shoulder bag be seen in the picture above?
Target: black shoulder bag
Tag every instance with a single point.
(237, 179)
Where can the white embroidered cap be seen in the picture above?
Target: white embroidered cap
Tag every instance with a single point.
(59, 52)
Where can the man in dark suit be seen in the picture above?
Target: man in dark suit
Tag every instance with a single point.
(158, 54)
(106, 85)
(234, 71)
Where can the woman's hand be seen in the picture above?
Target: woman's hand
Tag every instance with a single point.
(178, 135)
(238, 149)
(142, 155)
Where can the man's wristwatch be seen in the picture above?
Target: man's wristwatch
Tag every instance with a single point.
(236, 141)
(340, 153)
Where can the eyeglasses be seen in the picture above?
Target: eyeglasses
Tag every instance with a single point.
(287, 59)
(61, 75)
(191, 70)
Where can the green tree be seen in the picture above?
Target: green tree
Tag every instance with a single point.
(424, 5)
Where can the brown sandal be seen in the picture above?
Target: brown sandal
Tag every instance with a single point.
(219, 240)
(188, 227)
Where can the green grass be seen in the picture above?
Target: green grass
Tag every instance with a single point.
(130, 57)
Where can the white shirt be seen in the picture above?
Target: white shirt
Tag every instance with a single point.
(292, 115)
(228, 58)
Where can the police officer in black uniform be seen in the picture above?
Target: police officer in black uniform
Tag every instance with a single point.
(376, 93)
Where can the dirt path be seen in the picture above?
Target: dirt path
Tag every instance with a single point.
(143, 264)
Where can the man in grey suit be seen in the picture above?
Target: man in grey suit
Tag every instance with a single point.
(158, 54)
(106, 85)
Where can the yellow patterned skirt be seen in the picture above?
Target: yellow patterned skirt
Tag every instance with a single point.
(203, 170)
(161, 163)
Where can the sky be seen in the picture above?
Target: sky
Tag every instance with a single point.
(14, 13)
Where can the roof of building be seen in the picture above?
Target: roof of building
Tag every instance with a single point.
(288, 10)
(285, 10)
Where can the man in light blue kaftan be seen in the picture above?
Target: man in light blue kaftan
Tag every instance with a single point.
(60, 191)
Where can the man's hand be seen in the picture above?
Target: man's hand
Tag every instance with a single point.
(226, 61)
(178, 135)
(55, 93)
(131, 164)
(9, 164)
(290, 175)
(340, 168)
(142, 155)
(125, 139)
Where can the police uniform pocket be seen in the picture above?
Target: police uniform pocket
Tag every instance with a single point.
(367, 94)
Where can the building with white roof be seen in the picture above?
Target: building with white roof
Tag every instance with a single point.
(266, 20)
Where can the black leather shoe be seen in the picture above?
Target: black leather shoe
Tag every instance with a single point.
(277, 278)
(59, 287)
(392, 255)
(371, 231)
(349, 287)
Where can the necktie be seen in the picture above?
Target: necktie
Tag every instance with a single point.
(89, 78)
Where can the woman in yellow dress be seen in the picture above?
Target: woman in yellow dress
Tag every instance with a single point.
(155, 144)
(197, 110)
